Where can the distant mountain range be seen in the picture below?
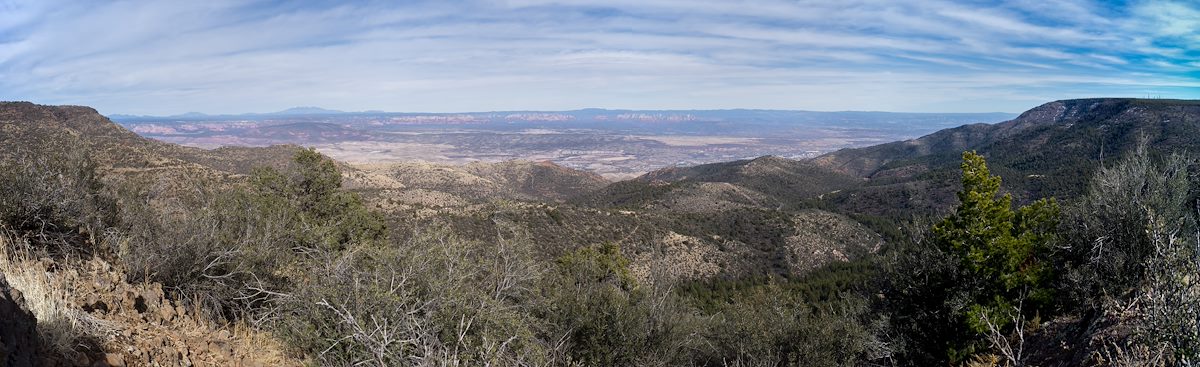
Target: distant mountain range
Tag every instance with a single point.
(844, 119)
(1048, 151)
(198, 116)
(616, 143)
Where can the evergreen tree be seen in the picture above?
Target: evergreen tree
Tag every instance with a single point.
(1004, 252)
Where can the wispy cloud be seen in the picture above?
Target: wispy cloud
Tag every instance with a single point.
(921, 55)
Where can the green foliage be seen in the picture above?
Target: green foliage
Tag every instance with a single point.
(982, 267)
(326, 217)
(602, 264)
(825, 284)
(1108, 230)
(767, 328)
(555, 215)
(1006, 253)
(923, 298)
(763, 230)
(1134, 248)
(234, 249)
(607, 318)
(889, 229)
(818, 320)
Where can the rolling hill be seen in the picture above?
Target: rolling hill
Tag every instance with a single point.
(1048, 151)
(1051, 150)
(427, 184)
(742, 214)
(721, 231)
(43, 130)
(764, 182)
(97, 291)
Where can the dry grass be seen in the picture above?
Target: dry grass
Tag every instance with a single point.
(62, 328)
(1117, 355)
(52, 291)
(268, 350)
(247, 344)
(985, 360)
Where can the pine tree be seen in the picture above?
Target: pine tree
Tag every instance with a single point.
(1005, 251)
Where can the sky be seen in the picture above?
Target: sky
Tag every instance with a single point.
(170, 57)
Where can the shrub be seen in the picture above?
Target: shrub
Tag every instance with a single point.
(326, 217)
(1135, 247)
(235, 249)
(774, 325)
(606, 317)
(436, 299)
(218, 247)
(55, 200)
(1109, 241)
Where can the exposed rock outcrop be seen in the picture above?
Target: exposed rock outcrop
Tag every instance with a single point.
(139, 325)
(18, 329)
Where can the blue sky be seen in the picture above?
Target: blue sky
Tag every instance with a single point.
(167, 57)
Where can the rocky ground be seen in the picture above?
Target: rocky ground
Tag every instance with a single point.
(47, 307)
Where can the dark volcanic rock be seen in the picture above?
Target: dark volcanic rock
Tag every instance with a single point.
(18, 329)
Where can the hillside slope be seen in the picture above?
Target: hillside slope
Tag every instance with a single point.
(89, 309)
(1050, 150)
(427, 184)
(764, 182)
(61, 129)
(771, 175)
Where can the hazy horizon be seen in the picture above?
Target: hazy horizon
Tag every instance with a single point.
(226, 57)
(368, 111)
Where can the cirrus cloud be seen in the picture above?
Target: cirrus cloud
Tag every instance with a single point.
(440, 56)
